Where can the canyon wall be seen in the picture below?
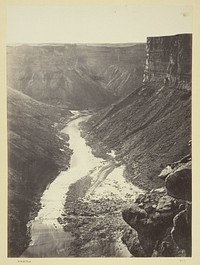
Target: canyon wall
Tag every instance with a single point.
(168, 60)
(150, 130)
(78, 76)
(152, 125)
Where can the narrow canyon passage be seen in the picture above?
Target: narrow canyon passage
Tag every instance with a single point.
(48, 239)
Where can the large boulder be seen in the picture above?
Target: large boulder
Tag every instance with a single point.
(151, 222)
(162, 218)
(130, 238)
(135, 216)
(179, 182)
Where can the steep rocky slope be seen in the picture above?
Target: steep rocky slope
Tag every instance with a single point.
(34, 160)
(80, 76)
(150, 130)
(123, 76)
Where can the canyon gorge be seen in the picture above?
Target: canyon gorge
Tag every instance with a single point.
(108, 128)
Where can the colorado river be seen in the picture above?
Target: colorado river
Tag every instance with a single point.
(48, 239)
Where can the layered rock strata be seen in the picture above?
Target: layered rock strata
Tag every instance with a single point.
(168, 60)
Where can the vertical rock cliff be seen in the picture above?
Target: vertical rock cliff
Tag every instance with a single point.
(168, 60)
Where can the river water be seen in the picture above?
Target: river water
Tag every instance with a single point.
(48, 239)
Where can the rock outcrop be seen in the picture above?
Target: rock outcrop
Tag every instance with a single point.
(163, 222)
(168, 60)
(179, 182)
(181, 231)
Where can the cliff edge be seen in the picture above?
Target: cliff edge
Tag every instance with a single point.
(168, 60)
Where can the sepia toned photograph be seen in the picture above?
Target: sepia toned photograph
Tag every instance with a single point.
(99, 131)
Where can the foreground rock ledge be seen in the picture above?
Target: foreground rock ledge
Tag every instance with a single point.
(163, 222)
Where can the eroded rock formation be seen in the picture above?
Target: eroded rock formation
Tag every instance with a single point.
(163, 222)
(168, 60)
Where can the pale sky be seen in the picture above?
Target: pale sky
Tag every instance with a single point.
(95, 23)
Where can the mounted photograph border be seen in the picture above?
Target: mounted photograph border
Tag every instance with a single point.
(195, 139)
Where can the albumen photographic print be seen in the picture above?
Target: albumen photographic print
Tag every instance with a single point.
(99, 131)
